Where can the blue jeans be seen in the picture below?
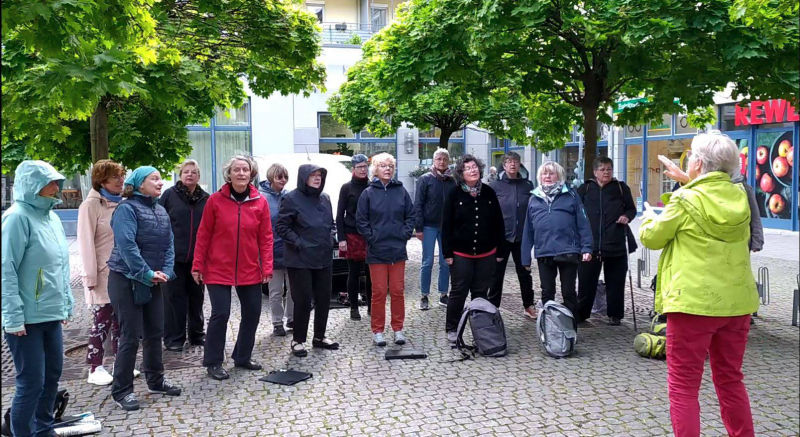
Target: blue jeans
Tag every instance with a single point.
(38, 359)
(430, 236)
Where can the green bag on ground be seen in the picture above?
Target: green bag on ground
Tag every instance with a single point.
(652, 344)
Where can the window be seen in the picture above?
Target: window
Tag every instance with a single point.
(663, 127)
(633, 174)
(377, 18)
(317, 9)
(682, 125)
(727, 114)
(330, 128)
(228, 133)
(352, 148)
(426, 149)
(633, 131)
(568, 158)
(436, 132)
(773, 184)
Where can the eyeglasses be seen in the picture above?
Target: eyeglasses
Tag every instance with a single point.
(470, 168)
(282, 176)
(361, 167)
(385, 165)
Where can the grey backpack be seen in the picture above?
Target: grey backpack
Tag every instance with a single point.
(488, 331)
(557, 329)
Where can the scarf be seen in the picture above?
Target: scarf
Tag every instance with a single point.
(109, 196)
(473, 191)
(442, 176)
(551, 191)
(240, 197)
(192, 197)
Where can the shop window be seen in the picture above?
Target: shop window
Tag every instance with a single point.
(633, 173)
(436, 133)
(426, 149)
(663, 127)
(568, 158)
(682, 125)
(774, 174)
(353, 148)
(727, 117)
(633, 131)
(657, 182)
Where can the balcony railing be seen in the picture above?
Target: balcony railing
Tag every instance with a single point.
(343, 33)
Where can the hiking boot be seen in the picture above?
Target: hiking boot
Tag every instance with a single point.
(278, 331)
(166, 388)
(129, 402)
(614, 321)
(423, 303)
(354, 314)
(399, 337)
(100, 376)
(378, 339)
(443, 300)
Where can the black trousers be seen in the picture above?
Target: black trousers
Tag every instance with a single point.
(468, 276)
(220, 297)
(145, 322)
(356, 269)
(615, 268)
(524, 276)
(310, 286)
(182, 297)
(567, 273)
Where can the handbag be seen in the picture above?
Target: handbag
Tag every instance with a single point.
(141, 293)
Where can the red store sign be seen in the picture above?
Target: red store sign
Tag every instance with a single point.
(768, 111)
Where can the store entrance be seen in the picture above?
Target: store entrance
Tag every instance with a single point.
(657, 182)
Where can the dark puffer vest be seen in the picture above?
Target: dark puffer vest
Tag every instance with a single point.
(153, 238)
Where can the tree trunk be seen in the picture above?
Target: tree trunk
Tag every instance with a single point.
(98, 130)
(444, 137)
(589, 140)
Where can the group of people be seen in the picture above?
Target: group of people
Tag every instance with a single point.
(148, 256)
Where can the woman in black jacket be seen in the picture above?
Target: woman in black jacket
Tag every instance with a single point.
(305, 222)
(385, 217)
(184, 203)
(472, 230)
(609, 206)
(351, 243)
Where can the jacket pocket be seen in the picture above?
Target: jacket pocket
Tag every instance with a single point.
(37, 291)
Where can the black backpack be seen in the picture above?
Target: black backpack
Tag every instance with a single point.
(488, 331)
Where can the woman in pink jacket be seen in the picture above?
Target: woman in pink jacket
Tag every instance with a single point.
(95, 240)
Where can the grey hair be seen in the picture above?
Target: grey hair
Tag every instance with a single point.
(717, 152)
(441, 151)
(187, 163)
(553, 167)
(378, 159)
(511, 156)
(226, 169)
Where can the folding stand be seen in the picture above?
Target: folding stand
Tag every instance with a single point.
(405, 354)
(285, 377)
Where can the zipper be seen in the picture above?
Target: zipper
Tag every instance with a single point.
(39, 285)
(238, 229)
(191, 233)
(602, 225)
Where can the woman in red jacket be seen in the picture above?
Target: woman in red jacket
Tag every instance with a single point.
(234, 248)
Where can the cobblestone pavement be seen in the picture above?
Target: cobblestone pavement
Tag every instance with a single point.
(604, 389)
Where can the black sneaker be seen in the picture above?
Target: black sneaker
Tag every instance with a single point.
(129, 402)
(217, 373)
(423, 303)
(278, 331)
(613, 321)
(443, 300)
(354, 314)
(165, 389)
(174, 348)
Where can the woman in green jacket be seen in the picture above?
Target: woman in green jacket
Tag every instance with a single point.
(37, 297)
(705, 284)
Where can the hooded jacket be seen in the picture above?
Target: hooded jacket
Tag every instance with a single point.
(513, 196)
(35, 254)
(603, 207)
(756, 228)
(234, 242)
(348, 203)
(185, 219)
(556, 228)
(704, 268)
(385, 218)
(95, 242)
(429, 200)
(274, 199)
(305, 222)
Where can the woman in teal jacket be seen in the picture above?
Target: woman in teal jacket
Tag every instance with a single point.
(37, 297)
(705, 284)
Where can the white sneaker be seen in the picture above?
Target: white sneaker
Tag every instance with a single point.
(399, 337)
(452, 336)
(379, 340)
(136, 373)
(100, 376)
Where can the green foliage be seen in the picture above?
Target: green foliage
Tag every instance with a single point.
(419, 171)
(354, 40)
(421, 70)
(155, 66)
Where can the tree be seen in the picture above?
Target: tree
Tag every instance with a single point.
(85, 79)
(420, 70)
(577, 58)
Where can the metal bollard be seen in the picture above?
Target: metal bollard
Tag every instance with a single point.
(642, 265)
(796, 302)
(763, 285)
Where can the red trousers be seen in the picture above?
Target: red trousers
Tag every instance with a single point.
(391, 278)
(690, 339)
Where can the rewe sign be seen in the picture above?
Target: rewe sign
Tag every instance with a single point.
(768, 111)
